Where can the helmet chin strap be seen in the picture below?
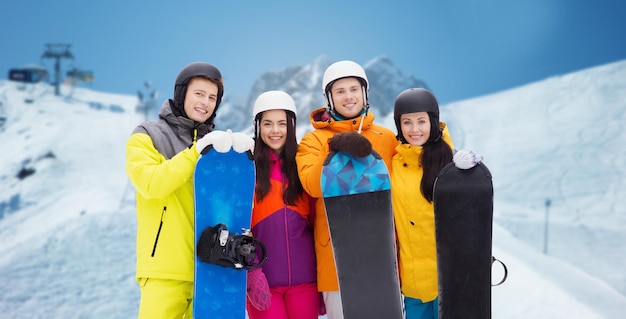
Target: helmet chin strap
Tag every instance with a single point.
(366, 107)
(361, 124)
(331, 106)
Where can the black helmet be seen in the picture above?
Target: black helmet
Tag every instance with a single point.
(417, 100)
(197, 69)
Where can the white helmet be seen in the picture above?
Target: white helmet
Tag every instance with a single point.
(343, 69)
(273, 100)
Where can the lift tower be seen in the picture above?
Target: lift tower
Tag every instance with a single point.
(57, 51)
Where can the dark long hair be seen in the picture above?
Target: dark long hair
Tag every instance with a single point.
(289, 169)
(436, 154)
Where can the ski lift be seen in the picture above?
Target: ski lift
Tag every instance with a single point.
(75, 75)
(28, 74)
(57, 51)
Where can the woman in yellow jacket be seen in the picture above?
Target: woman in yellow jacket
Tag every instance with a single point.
(160, 160)
(426, 148)
(346, 125)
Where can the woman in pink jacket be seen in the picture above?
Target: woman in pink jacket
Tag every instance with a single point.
(281, 217)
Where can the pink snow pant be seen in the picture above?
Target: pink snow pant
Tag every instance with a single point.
(295, 302)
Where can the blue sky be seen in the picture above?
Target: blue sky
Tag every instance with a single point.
(461, 48)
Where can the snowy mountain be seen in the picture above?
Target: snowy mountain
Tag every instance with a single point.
(303, 83)
(67, 220)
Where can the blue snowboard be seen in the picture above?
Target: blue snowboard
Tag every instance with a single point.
(223, 188)
(357, 197)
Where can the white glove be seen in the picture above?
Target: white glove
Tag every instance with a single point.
(220, 140)
(242, 142)
(466, 159)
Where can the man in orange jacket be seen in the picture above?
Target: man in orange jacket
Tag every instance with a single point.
(345, 124)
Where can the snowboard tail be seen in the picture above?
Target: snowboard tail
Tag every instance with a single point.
(463, 201)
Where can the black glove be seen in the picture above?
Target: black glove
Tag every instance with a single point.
(352, 143)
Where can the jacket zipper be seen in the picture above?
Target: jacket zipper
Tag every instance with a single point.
(286, 234)
(156, 240)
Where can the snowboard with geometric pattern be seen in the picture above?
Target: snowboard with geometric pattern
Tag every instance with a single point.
(357, 198)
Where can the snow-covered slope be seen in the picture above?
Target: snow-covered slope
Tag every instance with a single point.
(67, 248)
(67, 221)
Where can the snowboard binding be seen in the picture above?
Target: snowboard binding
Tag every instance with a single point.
(219, 246)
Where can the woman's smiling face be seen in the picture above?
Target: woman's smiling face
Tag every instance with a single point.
(415, 127)
(273, 129)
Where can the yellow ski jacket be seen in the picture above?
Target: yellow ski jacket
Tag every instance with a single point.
(415, 223)
(160, 162)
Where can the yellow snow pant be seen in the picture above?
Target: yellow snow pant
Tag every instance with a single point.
(165, 298)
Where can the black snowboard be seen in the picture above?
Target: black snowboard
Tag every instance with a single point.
(463, 201)
(357, 197)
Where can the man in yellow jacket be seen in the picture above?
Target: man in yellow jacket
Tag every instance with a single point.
(345, 124)
(160, 162)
